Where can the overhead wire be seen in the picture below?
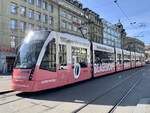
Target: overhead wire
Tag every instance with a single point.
(127, 17)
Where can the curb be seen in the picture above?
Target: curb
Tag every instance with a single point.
(143, 106)
(5, 77)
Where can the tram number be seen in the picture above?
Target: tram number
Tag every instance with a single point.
(76, 71)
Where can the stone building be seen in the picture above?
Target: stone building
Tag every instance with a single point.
(147, 53)
(95, 26)
(113, 34)
(71, 17)
(133, 44)
(17, 17)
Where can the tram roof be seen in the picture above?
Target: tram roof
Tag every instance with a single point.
(102, 47)
(74, 38)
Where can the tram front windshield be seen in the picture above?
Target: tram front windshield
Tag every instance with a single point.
(30, 49)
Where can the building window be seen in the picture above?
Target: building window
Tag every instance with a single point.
(13, 24)
(31, 2)
(74, 19)
(63, 24)
(50, 20)
(13, 8)
(22, 26)
(75, 28)
(22, 10)
(44, 5)
(37, 16)
(44, 18)
(50, 8)
(12, 41)
(69, 26)
(63, 14)
(38, 3)
(79, 21)
(31, 14)
(105, 41)
(85, 31)
(30, 26)
(69, 16)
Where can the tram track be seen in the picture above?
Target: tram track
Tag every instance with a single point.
(124, 96)
(4, 98)
(8, 94)
(118, 101)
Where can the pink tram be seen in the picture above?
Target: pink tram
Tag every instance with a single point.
(49, 59)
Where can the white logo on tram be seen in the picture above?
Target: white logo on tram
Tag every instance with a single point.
(76, 71)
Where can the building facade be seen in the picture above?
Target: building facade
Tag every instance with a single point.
(147, 53)
(71, 17)
(112, 34)
(133, 44)
(94, 24)
(17, 17)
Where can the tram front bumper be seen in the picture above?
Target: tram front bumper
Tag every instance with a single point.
(23, 86)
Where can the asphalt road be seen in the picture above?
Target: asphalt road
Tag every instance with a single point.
(93, 96)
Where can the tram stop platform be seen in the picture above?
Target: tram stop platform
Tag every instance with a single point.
(143, 106)
(5, 83)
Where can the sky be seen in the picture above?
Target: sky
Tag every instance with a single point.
(137, 12)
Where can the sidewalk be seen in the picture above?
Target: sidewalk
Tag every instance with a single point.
(5, 83)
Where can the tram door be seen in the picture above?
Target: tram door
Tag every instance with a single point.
(10, 61)
(63, 66)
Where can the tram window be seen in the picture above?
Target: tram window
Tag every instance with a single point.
(119, 58)
(126, 61)
(127, 58)
(62, 55)
(140, 58)
(81, 56)
(103, 57)
(49, 59)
